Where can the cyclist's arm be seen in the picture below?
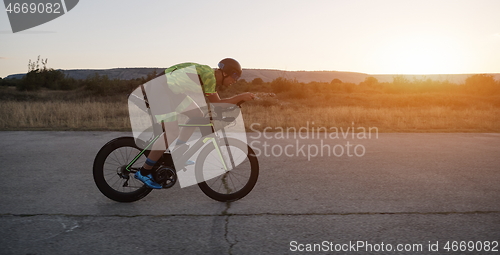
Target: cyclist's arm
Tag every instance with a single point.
(214, 98)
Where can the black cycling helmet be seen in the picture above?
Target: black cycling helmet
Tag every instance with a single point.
(231, 67)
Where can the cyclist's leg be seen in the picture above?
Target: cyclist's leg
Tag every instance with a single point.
(192, 111)
(164, 112)
(159, 147)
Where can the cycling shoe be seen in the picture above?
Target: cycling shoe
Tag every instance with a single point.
(148, 180)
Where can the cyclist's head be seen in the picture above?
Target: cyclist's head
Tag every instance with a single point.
(231, 68)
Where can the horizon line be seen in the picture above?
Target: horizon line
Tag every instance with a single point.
(272, 69)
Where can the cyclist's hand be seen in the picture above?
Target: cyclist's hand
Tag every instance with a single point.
(247, 96)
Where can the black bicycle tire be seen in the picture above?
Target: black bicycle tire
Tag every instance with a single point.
(98, 172)
(254, 166)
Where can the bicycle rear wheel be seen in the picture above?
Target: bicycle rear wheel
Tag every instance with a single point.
(110, 175)
(233, 184)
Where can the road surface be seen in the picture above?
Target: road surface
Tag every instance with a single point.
(410, 193)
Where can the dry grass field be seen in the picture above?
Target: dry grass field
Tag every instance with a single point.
(409, 119)
(63, 115)
(428, 112)
(388, 112)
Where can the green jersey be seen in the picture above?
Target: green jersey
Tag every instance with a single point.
(188, 75)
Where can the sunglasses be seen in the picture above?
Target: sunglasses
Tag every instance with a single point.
(235, 76)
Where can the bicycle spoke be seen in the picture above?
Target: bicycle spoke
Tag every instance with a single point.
(114, 158)
(117, 159)
(230, 177)
(232, 180)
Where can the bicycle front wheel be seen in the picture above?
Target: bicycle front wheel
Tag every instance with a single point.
(110, 175)
(229, 185)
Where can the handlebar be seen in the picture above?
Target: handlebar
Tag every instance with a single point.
(220, 109)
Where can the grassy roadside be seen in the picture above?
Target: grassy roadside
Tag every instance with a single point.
(422, 112)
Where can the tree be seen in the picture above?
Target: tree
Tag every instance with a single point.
(9, 82)
(336, 81)
(150, 76)
(282, 84)
(482, 84)
(400, 80)
(41, 77)
(257, 81)
(369, 81)
(99, 85)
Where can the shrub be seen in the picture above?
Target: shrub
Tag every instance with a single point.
(281, 84)
(257, 81)
(336, 81)
(41, 77)
(482, 84)
(369, 82)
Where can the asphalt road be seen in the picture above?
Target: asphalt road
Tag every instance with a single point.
(399, 191)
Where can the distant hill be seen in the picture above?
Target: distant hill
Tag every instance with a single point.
(265, 74)
(328, 76)
(115, 73)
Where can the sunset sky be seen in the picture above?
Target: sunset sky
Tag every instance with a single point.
(369, 36)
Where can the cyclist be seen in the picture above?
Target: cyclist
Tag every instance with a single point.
(228, 72)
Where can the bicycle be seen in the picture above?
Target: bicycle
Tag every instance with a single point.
(119, 159)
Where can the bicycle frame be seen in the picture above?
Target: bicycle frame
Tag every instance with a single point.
(214, 138)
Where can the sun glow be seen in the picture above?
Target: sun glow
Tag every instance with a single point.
(421, 55)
